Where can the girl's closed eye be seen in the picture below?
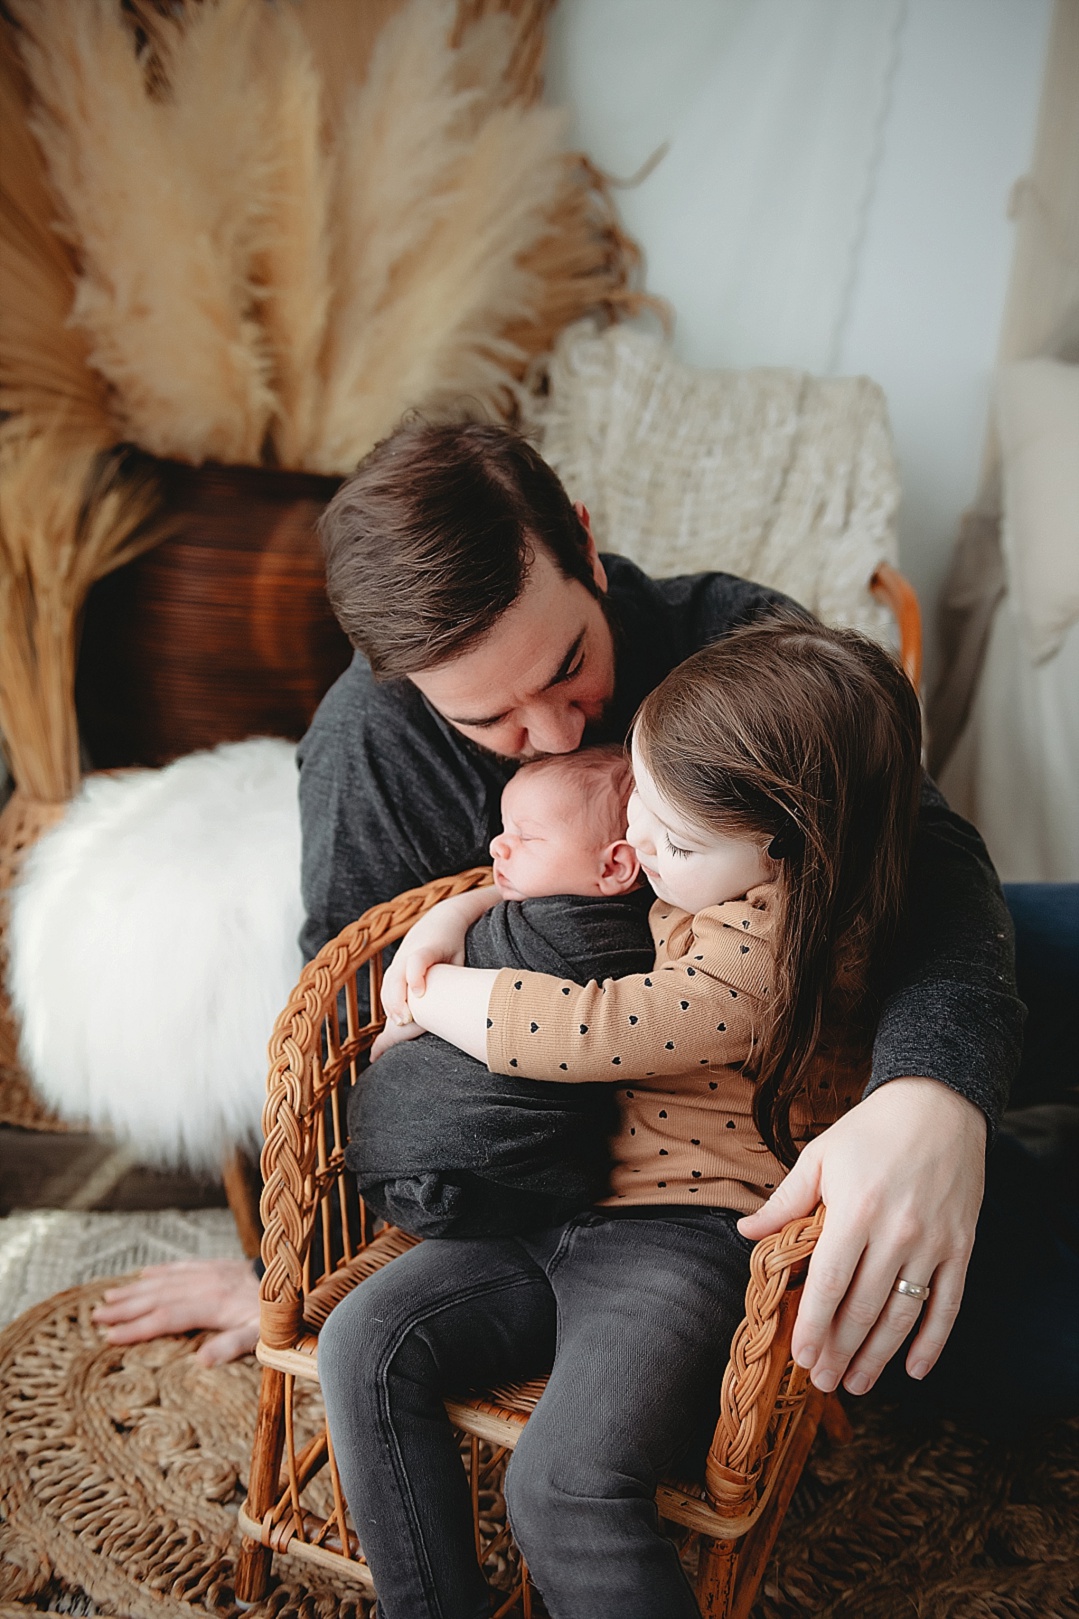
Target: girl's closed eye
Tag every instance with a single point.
(674, 848)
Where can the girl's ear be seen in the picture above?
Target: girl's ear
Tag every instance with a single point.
(619, 868)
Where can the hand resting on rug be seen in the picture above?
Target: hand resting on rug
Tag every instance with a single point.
(221, 1295)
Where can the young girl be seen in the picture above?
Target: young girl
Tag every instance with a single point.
(776, 784)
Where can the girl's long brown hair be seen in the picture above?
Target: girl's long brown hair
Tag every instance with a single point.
(809, 740)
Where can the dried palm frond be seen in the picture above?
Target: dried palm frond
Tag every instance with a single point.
(43, 358)
(158, 200)
(584, 264)
(521, 75)
(68, 515)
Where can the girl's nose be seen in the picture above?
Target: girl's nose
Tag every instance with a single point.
(636, 829)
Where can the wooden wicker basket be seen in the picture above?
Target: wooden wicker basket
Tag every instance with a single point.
(221, 632)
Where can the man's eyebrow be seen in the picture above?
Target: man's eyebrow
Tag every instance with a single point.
(556, 679)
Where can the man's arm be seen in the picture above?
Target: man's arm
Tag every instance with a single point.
(951, 1011)
(389, 798)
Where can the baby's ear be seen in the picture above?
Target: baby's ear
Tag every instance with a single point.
(619, 868)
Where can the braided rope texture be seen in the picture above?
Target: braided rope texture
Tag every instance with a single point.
(297, 1086)
(745, 1414)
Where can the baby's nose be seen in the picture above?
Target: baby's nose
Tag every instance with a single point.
(499, 847)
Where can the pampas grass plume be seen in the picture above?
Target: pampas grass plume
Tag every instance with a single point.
(287, 224)
(157, 210)
(292, 266)
(43, 358)
(439, 195)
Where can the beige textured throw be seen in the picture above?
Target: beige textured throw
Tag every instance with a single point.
(770, 474)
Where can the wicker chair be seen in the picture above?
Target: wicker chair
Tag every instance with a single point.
(295, 1506)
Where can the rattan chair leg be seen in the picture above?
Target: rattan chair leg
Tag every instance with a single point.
(835, 1421)
(242, 1181)
(716, 1570)
(253, 1569)
(755, 1547)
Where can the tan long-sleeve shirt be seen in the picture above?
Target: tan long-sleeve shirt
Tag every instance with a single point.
(674, 1041)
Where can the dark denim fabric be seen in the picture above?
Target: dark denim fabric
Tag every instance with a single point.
(636, 1310)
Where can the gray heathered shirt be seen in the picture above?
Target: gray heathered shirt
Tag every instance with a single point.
(391, 796)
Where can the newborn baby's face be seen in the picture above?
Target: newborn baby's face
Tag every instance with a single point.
(543, 847)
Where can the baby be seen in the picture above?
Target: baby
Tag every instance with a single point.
(438, 1144)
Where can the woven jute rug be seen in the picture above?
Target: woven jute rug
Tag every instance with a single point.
(121, 1471)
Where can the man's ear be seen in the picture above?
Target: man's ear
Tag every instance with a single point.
(620, 869)
(599, 572)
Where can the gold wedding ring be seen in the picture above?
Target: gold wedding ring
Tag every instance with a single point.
(911, 1290)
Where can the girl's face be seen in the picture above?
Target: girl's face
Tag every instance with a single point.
(688, 865)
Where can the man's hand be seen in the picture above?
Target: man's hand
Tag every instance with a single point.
(192, 1295)
(438, 936)
(901, 1177)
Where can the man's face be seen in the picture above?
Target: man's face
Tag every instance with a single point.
(542, 673)
(544, 847)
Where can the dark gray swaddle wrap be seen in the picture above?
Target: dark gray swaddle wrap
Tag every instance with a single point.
(442, 1147)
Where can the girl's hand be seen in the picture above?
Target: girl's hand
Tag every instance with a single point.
(394, 1034)
(901, 1177)
(438, 936)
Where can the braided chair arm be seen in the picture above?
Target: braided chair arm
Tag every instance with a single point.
(307, 1058)
(761, 1389)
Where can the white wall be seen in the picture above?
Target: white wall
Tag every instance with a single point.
(930, 247)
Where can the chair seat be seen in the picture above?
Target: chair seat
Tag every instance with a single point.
(497, 1415)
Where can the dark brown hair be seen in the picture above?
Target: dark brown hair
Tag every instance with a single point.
(431, 539)
(808, 739)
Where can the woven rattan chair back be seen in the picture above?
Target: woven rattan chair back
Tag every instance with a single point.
(319, 1242)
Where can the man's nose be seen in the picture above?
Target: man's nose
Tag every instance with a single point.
(555, 730)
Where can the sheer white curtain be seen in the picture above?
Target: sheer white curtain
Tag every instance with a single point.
(791, 98)
(1014, 769)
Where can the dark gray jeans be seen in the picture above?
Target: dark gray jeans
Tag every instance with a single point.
(635, 1310)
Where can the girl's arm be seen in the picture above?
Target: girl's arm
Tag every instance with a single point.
(453, 1003)
(439, 935)
(675, 1018)
(696, 1011)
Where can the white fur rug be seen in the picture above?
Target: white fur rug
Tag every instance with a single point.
(153, 943)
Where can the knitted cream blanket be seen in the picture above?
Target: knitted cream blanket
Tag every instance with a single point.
(773, 475)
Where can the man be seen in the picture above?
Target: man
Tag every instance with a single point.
(489, 631)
